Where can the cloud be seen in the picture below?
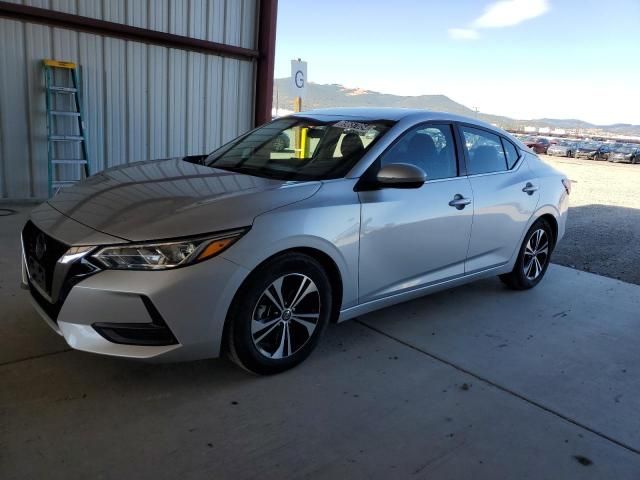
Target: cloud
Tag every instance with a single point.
(463, 33)
(504, 13)
(507, 13)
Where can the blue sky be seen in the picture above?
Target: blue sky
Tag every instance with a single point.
(521, 58)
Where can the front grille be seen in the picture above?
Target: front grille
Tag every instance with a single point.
(41, 254)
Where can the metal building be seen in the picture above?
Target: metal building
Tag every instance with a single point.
(159, 78)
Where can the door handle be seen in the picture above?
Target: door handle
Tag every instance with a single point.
(459, 202)
(530, 188)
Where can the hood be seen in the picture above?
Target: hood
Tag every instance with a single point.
(67, 230)
(172, 198)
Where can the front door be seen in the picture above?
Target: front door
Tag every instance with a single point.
(413, 237)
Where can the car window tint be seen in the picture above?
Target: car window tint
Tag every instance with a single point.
(511, 152)
(484, 150)
(429, 147)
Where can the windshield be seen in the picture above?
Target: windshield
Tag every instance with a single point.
(590, 146)
(565, 143)
(623, 149)
(295, 148)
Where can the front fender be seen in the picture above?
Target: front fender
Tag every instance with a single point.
(328, 222)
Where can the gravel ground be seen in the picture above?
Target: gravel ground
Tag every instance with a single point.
(603, 228)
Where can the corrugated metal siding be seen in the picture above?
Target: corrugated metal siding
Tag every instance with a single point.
(188, 17)
(141, 101)
(14, 112)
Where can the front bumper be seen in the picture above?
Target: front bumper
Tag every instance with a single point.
(621, 158)
(185, 306)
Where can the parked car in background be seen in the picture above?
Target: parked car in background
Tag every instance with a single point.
(539, 145)
(625, 154)
(562, 148)
(592, 151)
(603, 153)
(251, 250)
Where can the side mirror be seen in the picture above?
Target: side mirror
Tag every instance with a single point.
(401, 175)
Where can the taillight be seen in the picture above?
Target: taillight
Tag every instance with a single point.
(567, 185)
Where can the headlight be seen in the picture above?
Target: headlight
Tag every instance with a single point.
(165, 255)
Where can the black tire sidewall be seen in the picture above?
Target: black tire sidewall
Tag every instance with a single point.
(248, 295)
(522, 278)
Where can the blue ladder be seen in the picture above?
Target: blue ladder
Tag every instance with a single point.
(56, 178)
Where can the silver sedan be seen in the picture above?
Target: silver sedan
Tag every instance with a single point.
(251, 250)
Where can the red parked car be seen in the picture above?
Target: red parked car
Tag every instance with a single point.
(539, 145)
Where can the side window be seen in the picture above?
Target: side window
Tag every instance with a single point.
(429, 147)
(484, 150)
(511, 152)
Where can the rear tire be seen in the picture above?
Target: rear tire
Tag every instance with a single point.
(533, 258)
(279, 314)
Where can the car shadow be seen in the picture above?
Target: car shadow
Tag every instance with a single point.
(98, 373)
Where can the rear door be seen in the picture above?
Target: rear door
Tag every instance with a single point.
(415, 237)
(505, 195)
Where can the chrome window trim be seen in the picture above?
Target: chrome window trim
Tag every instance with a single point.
(439, 180)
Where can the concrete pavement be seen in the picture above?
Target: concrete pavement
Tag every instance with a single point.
(477, 382)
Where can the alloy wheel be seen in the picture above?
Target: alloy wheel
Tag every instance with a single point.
(285, 316)
(536, 254)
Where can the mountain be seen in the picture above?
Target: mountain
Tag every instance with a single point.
(322, 96)
(335, 95)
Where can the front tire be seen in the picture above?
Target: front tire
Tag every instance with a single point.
(533, 258)
(279, 314)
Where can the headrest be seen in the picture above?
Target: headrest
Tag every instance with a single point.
(351, 145)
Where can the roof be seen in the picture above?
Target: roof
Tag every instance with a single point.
(397, 114)
(394, 114)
